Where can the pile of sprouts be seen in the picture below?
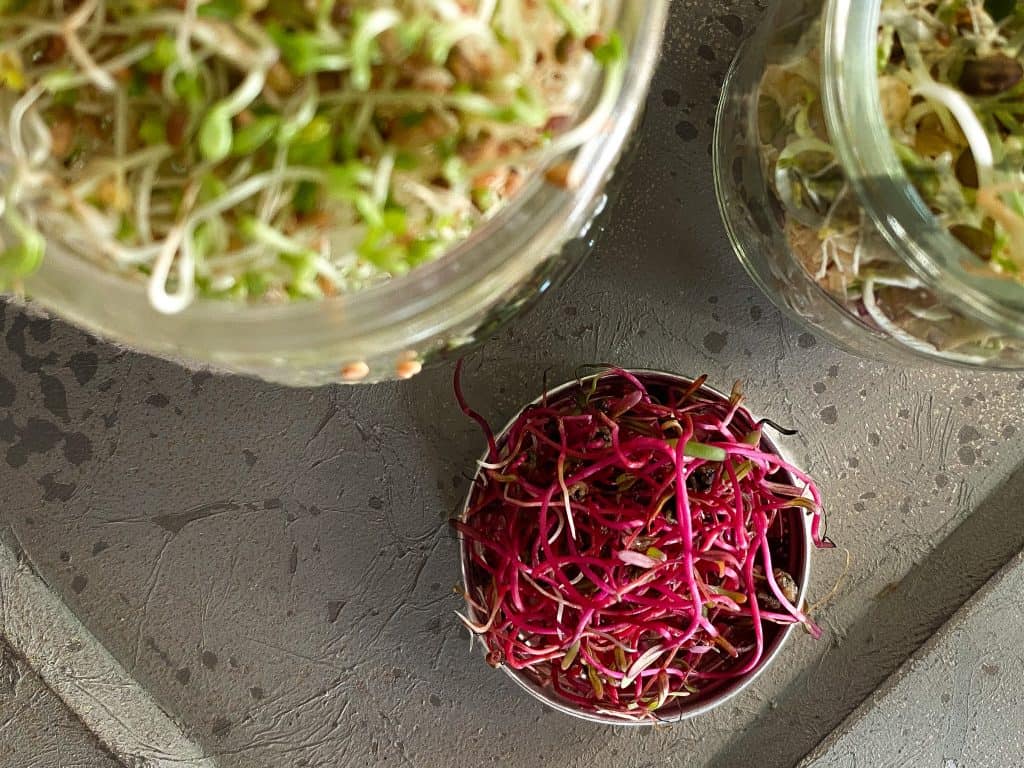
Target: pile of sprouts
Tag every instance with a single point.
(269, 150)
(632, 543)
(951, 85)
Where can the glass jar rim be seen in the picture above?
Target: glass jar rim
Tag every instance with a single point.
(863, 143)
(505, 248)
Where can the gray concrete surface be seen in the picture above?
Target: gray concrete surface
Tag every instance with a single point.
(957, 703)
(36, 730)
(274, 565)
(75, 666)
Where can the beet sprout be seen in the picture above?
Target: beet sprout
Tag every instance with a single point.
(632, 541)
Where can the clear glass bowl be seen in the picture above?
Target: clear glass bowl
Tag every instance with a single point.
(931, 302)
(391, 330)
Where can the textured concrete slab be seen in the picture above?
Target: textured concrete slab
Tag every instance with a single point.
(274, 566)
(76, 667)
(36, 730)
(957, 703)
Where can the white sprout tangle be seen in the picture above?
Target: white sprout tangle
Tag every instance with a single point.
(273, 155)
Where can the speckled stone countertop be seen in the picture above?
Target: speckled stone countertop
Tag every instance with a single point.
(274, 565)
(956, 703)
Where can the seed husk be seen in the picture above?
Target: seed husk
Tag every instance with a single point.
(991, 75)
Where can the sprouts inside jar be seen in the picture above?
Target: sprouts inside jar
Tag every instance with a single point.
(951, 86)
(269, 150)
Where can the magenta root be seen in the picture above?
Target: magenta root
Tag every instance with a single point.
(627, 544)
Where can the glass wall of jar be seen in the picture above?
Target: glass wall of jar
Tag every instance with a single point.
(392, 329)
(869, 166)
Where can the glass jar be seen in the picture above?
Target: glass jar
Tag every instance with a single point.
(391, 330)
(877, 272)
